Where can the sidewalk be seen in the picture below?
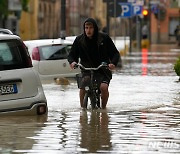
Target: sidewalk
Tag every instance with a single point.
(164, 47)
(160, 47)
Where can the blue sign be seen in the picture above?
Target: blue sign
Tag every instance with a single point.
(137, 9)
(154, 8)
(129, 10)
(126, 9)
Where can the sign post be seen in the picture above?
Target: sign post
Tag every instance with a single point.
(125, 9)
(128, 11)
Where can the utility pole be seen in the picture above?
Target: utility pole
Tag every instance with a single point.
(158, 25)
(138, 32)
(107, 18)
(130, 35)
(149, 23)
(63, 19)
(179, 16)
(115, 20)
(113, 10)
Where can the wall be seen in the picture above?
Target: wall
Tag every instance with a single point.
(160, 29)
(28, 22)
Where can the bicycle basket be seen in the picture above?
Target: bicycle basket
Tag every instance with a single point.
(82, 82)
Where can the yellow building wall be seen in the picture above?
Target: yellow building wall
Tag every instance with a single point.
(100, 11)
(28, 22)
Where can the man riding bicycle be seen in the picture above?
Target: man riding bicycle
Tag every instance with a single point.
(92, 48)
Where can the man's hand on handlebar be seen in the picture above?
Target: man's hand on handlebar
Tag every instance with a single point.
(111, 66)
(73, 65)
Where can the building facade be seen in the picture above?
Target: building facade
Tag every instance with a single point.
(163, 24)
(43, 19)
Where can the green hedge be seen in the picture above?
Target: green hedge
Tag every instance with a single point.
(177, 67)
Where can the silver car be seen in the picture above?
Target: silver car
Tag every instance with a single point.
(21, 91)
(49, 58)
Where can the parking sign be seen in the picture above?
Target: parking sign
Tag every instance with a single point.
(126, 9)
(137, 9)
(129, 10)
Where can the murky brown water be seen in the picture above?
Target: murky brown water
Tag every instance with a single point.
(142, 116)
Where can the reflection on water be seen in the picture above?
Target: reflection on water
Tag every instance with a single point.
(150, 131)
(94, 131)
(142, 116)
(14, 132)
(145, 132)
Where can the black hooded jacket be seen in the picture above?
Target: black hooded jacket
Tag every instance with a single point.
(92, 52)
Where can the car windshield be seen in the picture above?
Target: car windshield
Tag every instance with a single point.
(12, 55)
(54, 52)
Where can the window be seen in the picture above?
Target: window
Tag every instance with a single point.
(54, 52)
(12, 55)
(5, 53)
(174, 3)
(172, 25)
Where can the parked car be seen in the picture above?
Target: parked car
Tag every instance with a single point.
(21, 91)
(49, 58)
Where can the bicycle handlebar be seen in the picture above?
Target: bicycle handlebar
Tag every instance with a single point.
(90, 68)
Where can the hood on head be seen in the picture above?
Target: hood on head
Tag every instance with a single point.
(91, 20)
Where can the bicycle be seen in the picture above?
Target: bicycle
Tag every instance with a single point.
(92, 90)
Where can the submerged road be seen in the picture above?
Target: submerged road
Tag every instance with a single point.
(142, 115)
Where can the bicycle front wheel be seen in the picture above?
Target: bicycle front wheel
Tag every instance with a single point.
(85, 101)
(93, 100)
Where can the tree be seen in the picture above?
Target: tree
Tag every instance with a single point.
(4, 10)
(24, 4)
(177, 67)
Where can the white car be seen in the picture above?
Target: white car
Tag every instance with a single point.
(49, 58)
(21, 91)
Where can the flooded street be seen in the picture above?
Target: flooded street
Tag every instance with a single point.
(142, 115)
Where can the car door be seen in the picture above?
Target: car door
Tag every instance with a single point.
(54, 60)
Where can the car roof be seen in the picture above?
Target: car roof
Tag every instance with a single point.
(5, 31)
(31, 44)
(41, 42)
(8, 37)
(71, 38)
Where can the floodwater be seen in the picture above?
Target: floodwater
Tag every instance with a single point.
(142, 115)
